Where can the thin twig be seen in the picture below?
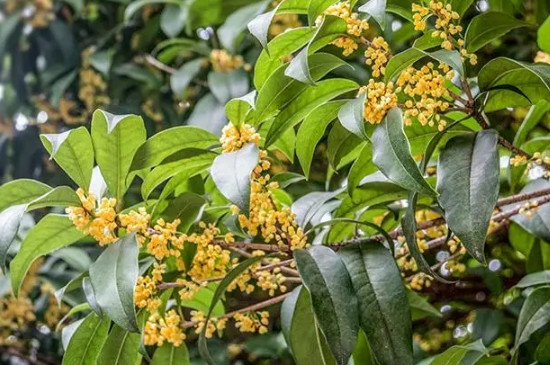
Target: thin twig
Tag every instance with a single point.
(161, 66)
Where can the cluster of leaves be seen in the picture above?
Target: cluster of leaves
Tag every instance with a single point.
(355, 302)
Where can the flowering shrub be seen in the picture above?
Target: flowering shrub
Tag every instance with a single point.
(424, 241)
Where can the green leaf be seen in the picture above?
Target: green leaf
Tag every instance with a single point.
(334, 303)
(479, 34)
(237, 22)
(462, 354)
(284, 44)
(113, 276)
(279, 90)
(168, 354)
(202, 299)
(420, 307)
(188, 163)
(533, 117)
(468, 184)
(10, 219)
(543, 38)
(391, 153)
(377, 10)
(305, 103)
(173, 19)
(300, 330)
(231, 174)
(535, 313)
(228, 85)
(351, 116)
(308, 205)
(401, 61)
(312, 129)
(537, 278)
(21, 191)
(180, 80)
(116, 139)
(120, 348)
(316, 8)
(237, 109)
(170, 141)
(500, 73)
(259, 27)
(61, 196)
(224, 283)
(363, 352)
(53, 232)
(343, 147)
(383, 305)
(362, 167)
(74, 152)
(86, 341)
(460, 6)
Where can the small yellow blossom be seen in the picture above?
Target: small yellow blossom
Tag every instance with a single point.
(380, 98)
(252, 322)
(224, 62)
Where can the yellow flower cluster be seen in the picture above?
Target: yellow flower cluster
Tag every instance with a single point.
(420, 281)
(146, 287)
(355, 26)
(377, 55)
(380, 98)
(265, 217)
(446, 26)
(214, 324)
(92, 87)
(271, 281)
(427, 92)
(252, 322)
(99, 222)
(542, 57)
(234, 138)
(224, 62)
(210, 259)
(158, 330)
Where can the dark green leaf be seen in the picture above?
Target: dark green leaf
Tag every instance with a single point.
(535, 313)
(351, 116)
(53, 232)
(113, 277)
(334, 303)
(479, 34)
(383, 305)
(420, 307)
(468, 183)
(391, 153)
(307, 206)
(362, 167)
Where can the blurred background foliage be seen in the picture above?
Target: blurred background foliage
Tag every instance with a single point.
(178, 62)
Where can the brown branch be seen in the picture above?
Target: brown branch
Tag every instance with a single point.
(161, 66)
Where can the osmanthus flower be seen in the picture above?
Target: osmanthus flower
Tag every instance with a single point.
(542, 57)
(252, 321)
(158, 329)
(222, 61)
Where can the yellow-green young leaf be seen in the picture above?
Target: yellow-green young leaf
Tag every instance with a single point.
(116, 139)
(462, 354)
(10, 219)
(189, 162)
(363, 352)
(305, 103)
(21, 191)
(460, 6)
(61, 196)
(231, 174)
(74, 153)
(113, 277)
(237, 109)
(168, 354)
(486, 27)
(120, 348)
(170, 141)
(285, 43)
(468, 184)
(391, 153)
(383, 305)
(316, 7)
(504, 78)
(86, 341)
(300, 329)
(334, 303)
(279, 90)
(420, 307)
(544, 36)
(53, 232)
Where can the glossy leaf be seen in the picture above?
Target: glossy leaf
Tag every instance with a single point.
(307, 206)
(170, 141)
(535, 313)
(53, 232)
(391, 153)
(377, 10)
(237, 22)
(120, 348)
(462, 354)
(362, 167)
(334, 303)
(237, 109)
(231, 174)
(468, 183)
(479, 33)
(383, 304)
(113, 276)
(168, 354)
(21, 191)
(10, 219)
(537, 278)
(86, 341)
(420, 307)
(74, 152)
(61, 196)
(351, 116)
